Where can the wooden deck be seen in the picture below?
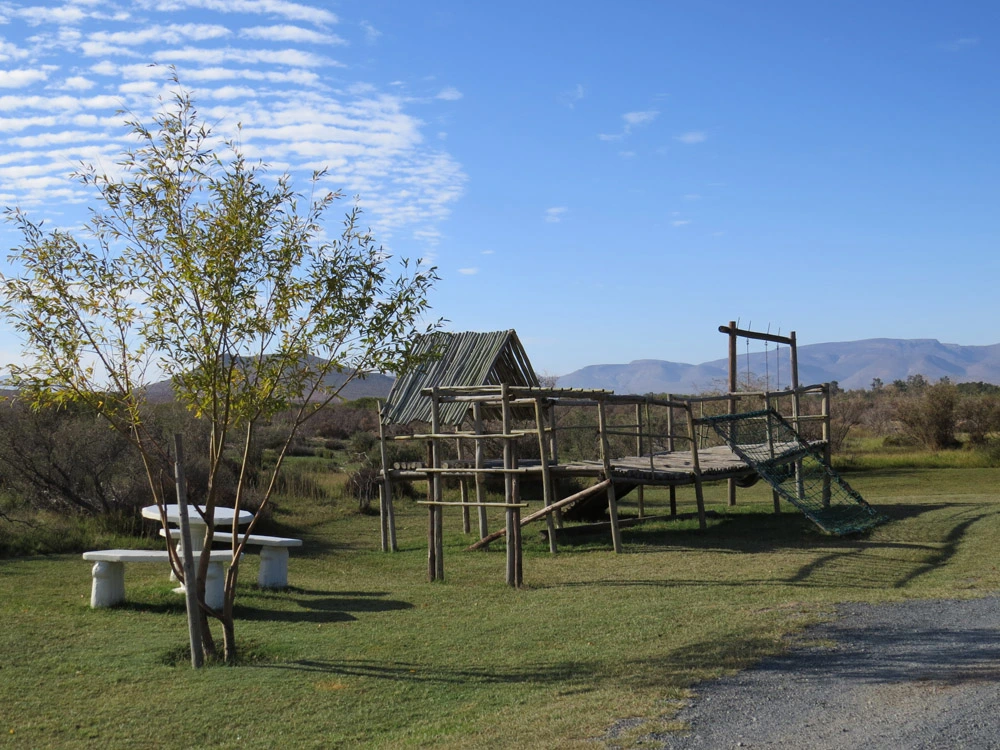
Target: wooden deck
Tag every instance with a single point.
(671, 468)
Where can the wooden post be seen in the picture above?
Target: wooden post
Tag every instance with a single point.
(696, 469)
(187, 561)
(546, 474)
(387, 516)
(437, 515)
(554, 453)
(508, 483)
(794, 353)
(616, 534)
(827, 448)
(640, 497)
(464, 489)
(670, 447)
(518, 555)
(477, 419)
(431, 544)
(732, 389)
(775, 497)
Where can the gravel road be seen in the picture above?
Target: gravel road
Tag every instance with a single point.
(918, 674)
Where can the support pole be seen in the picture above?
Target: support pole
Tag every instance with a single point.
(547, 492)
(508, 482)
(670, 447)
(477, 421)
(463, 484)
(640, 496)
(437, 514)
(732, 400)
(616, 534)
(696, 469)
(827, 448)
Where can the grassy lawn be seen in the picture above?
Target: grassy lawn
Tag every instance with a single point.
(362, 651)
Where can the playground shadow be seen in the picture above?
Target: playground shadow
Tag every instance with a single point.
(576, 673)
(321, 606)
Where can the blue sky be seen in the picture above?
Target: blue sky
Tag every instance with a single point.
(613, 181)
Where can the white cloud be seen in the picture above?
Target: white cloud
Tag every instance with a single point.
(627, 154)
(10, 51)
(691, 137)
(371, 33)
(487, 252)
(449, 94)
(21, 77)
(66, 14)
(203, 56)
(554, 215)
(572, 96)
(77, 83)
(962, 43)
(280, 8)
(288, 33)
(639, 118)
(681, 222)
(468, 271)
(631, 120)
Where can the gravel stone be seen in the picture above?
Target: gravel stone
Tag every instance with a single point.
(917, 674)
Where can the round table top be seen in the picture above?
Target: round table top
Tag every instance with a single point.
(223, 516)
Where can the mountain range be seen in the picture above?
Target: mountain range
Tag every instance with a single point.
(853, 364)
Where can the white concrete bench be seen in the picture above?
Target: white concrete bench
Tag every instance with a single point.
(273, 573)
(109, 574)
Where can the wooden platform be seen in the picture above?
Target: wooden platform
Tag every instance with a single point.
(666, 469)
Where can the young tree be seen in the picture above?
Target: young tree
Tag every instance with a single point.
(206, 270)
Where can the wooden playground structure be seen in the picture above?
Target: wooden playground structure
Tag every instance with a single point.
(482, 414)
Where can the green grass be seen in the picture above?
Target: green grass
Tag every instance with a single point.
(363, 651)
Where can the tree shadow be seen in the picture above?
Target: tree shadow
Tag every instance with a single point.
(326, 607)
(579, 673)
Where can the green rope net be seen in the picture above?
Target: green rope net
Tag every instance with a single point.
(797, 471)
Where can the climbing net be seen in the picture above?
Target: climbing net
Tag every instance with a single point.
(796, 470)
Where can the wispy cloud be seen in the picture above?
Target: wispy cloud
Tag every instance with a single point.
(631, 120)
(288, 33)
(262, 63)
(555, 214)
(570, 97)
(680, 222)
(371, 33)
(449, 94)
(468, 271)
(962, 43)
(691, 137)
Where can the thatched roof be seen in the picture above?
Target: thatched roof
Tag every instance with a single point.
(468, 358)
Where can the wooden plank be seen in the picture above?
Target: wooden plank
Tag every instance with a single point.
(599, 487)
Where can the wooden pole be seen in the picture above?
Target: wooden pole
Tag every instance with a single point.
(616, 534)
(696, 468)
(477, 419)
(732, 389)
(463, 485)
(187, 561)
(437, 513)
(554, 452)
(547, 493)
(599, 487)
(508, 480)
(670, 447)
(775, 497)
(827, 448)
(793, 349)
(640, 496)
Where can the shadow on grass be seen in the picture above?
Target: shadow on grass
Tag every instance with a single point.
(571, 672)
(320, 606)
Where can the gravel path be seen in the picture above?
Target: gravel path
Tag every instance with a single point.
(918, 674)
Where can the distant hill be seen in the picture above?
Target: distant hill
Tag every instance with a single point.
(853, 364)
(373, 385)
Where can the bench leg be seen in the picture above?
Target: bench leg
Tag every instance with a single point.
(108, 588)
(273, 572)
(215, 583)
